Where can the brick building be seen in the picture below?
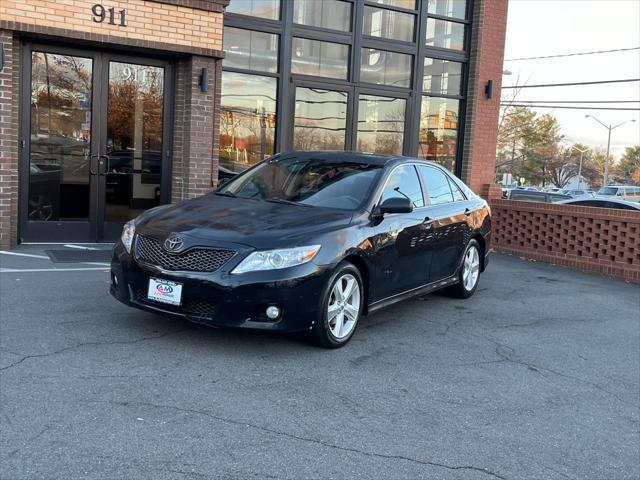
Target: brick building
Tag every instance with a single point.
(107, 109)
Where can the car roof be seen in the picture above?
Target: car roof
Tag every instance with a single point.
(603, 198)
(357, 157)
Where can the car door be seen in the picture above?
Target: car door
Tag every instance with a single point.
(448, 220)
(401, 256)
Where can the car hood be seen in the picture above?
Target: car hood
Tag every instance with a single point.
(255, 223)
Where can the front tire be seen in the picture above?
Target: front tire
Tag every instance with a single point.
(469, 274)
(341, 308)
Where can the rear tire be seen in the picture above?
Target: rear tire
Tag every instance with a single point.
(469, 275)
(341, 308)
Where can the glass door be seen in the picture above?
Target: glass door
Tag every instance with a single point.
(133, 143)
(95, 143)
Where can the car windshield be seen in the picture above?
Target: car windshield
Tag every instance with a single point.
(608, 191)
(314, 182)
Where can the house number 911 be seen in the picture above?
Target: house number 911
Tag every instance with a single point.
(100, 14)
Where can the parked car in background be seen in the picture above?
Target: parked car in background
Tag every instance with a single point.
(551, 189)
(624, 191)
(575, 192)
(603, 201)
(306, 241)
(533, 196)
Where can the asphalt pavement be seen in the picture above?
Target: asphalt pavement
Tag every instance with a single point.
(535, 377)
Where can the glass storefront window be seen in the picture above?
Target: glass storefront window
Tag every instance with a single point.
(383, 23)
(438, 137)
(324, 59)
(442, 77)
(250, 50)
(320, 119)
(385, 68)
(247, 119)
(380, 124)
(256, 8)
(334, 14)
(448, 8)
(444, 34)
(410, 4)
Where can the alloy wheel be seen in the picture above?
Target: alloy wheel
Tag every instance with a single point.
(471, 268)
(344, 306)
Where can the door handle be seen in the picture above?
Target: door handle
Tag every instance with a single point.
(467, 212)
(428, 222)
(91, 170)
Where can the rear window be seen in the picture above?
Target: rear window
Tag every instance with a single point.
(608, 191)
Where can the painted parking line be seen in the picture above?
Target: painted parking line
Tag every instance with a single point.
(24, 270)
(80, 247)
(4, 252)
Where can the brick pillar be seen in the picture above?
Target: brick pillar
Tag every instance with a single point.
(9, 87)
(489, 25)
(195, 154)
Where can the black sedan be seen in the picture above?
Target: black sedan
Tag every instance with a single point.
(306, 241)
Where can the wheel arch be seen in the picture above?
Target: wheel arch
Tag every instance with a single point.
(483, 248)
(362, 267)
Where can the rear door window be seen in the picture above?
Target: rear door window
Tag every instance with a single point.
(438, 189)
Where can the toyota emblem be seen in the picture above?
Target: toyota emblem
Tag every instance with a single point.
(173, 243)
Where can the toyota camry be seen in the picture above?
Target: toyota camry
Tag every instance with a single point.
(306, 241)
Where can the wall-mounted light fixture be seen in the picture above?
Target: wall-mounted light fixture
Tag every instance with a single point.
(204, 80)
(488, 89)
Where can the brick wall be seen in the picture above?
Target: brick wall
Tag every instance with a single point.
(489, 25)
(147, 22)
(599, 240)
(195, 156)
(9, 81)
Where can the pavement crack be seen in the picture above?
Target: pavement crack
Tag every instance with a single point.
(84, 344)
(323, 443)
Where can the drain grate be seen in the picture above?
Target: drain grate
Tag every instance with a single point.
(77, 256)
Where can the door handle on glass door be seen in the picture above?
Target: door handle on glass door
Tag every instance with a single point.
(91, 170)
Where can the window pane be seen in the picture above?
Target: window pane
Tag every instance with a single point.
(404, 183)
(443, 34)
(439, 130)
(380, 124)
(437, 184)
(379, 22)
(256, 8)
(312, 57)
(250, 50)
(457, 194)
(411, 4)
(442, 76)
(387, 68)
(247, 120)
(448, 8)
(321, 119)
(333, 14)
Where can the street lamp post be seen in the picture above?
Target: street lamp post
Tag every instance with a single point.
(609, 128)
(580, 167)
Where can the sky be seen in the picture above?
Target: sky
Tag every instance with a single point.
(549, 27)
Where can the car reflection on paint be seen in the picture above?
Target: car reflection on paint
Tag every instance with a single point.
(307, 241)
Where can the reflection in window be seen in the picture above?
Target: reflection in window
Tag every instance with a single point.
(439, 130)
(380, 124)
(247, 119)
(383, 23)
(324, 59)
(334, 14)
(60, 141)
(404, 182)
(442, 77)
(444, 34)
(448, 8)
(385, 68)
(437, 184)
(250, 50)
(256, 8)
(411, 4)
(320, 119)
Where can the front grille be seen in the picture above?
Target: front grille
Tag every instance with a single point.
(150, 251)
(191, 307)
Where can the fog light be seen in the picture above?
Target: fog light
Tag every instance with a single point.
(273, 312)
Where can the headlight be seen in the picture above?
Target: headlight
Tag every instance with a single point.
(128, 232)
(276, 259)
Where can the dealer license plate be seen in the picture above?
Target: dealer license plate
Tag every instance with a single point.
(164, 291)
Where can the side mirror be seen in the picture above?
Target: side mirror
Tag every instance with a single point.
(396, 205)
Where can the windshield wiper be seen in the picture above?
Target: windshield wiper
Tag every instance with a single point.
(287, 202)
(226, 194)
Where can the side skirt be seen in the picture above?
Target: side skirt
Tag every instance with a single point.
(430, 287)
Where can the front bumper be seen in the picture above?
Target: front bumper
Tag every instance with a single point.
(220, 299)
